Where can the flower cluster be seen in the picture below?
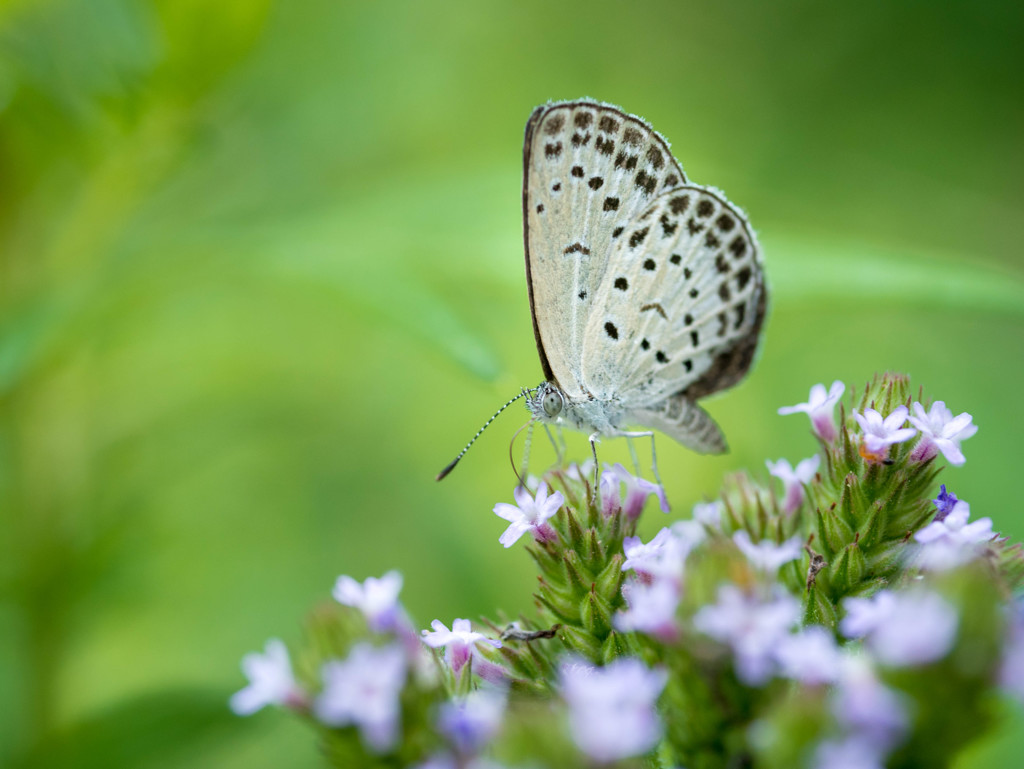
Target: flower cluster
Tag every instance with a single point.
(842, 616)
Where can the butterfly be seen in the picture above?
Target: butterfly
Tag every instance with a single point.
(647, 291)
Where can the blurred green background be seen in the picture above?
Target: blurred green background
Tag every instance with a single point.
(261, 277)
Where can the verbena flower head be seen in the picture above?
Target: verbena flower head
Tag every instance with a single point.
(880, 433)
(765, 555)
(376, 598)
(458, 643)
(271, 681)
(662, 557)
(820, 408)
(947, 543)
(637, 491)
(793, 480)
(652, 609)
(472, 721)
(529, 514)
(944, 503)
(363, 691)
(810, 656)
(903, 628)
(752, 628)
(940, 431)
(611, 709)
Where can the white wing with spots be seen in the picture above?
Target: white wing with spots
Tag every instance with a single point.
(589, 171)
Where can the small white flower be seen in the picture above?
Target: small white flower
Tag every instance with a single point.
(903, 628)
(941, 431)
(765, 555)
(459, 642)
(363, 690)
(529, 514)
(952, 541)
(637, 491)
(820, 407)
(652, 609)
(865, 705)
(879, 434)
(752, 628)
(793, 480)
(271, 681)
(471, 722)
(709, 513)
(663, 556)
(810, 656)
(611, 709)
(376, 598)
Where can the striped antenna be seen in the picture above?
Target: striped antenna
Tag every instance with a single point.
(451, 466)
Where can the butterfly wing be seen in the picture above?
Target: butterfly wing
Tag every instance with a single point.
(589, 169)
(680, 308)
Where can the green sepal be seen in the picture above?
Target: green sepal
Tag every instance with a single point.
(596, 614)
(579, 641)
(835, 532)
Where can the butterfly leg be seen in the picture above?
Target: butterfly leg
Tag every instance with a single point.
(654, 453)
(559, 448)
(593, 449)
(633, 455)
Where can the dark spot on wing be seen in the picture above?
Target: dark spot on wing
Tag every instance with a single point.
(687, 273)
(668, 227)
(711, 241)
(577, 247)
(552, 150)
(621, 283)
(649, 264)
(631, 162)
(617, 231)
(582, 119)
(604, 146)
(556, 186)
(693, 226)
(687, 319)
(738, 247)
(608, 124)
(610, 329)
(725, 222)
(661, 357)
(554, 124)
(720, 263)
(679, 204)
(705, 208)
(695, 338)
(671, 180)
(675, 258)
(645, 182)
(577, 171)
(580, 140)
(645, 345)
(694, 293)
(632, 136)
(611, 204)
(654, 157)
(582, 294)
(743, 277)
(595, 182)
(741, 311)
(723, 292)
(723, 323)
(540, 208)
(655, 306)
(688, 365)
(638, 237)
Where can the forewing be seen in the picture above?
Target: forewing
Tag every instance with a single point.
(589, 169)
(681, 304)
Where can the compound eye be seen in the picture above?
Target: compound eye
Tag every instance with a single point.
(552, 404)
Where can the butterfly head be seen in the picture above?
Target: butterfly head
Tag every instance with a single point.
(546, 402)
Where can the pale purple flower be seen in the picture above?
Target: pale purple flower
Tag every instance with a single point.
(793, 480)
(652, 609)
(810, 656)
(752, 628)
(944, 503)
(271, 681)
(376, 598)
(611, 709)
(709, 513)
(940, 431)
(903, 628)
(471, 722)
(866, 706)
(448, 761)
(765, 555)
(689, 533)
(863, 615)
(947, 543)
(663, 556)
(364, 691)
(1011, 668)
(880, 433)
(820, 407)
(854, 752)
(529, 514)
(637, 491)
(459, 643)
